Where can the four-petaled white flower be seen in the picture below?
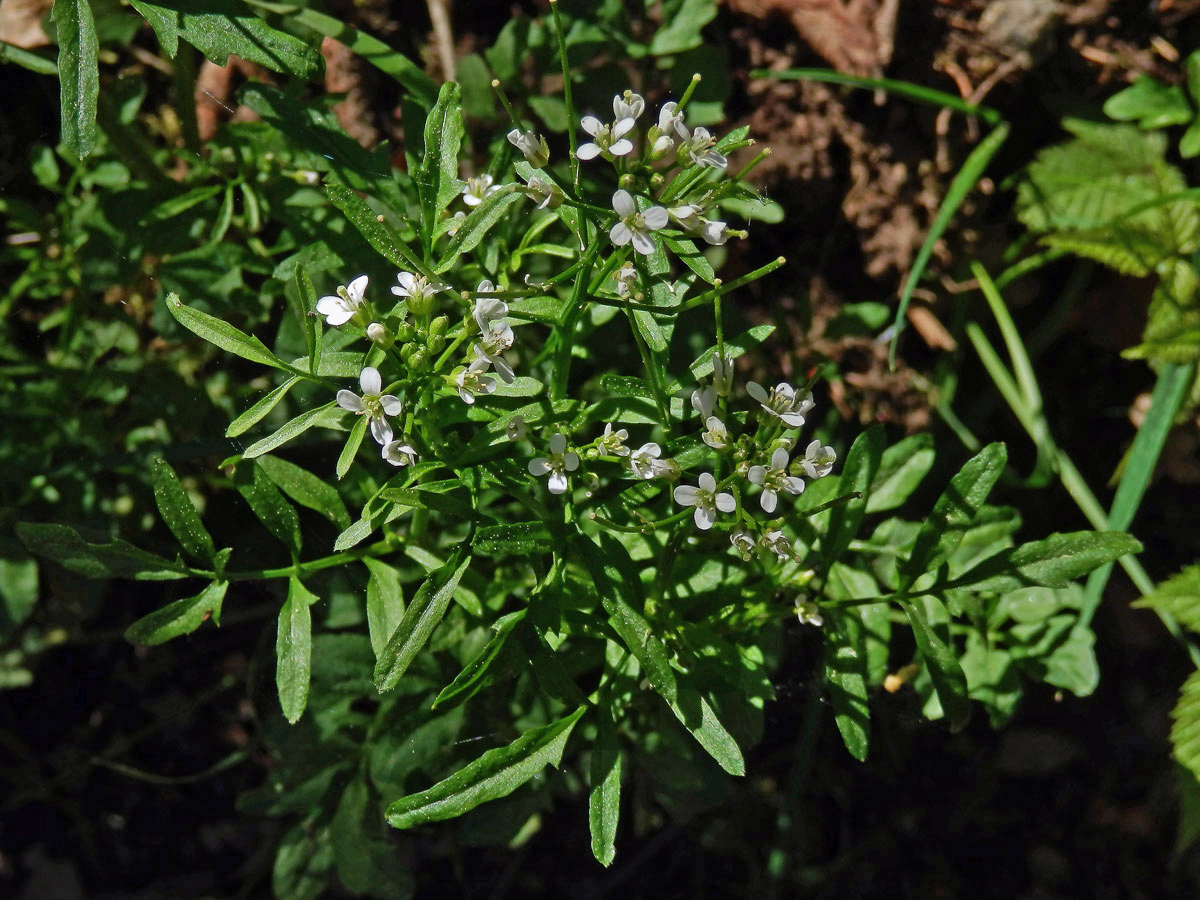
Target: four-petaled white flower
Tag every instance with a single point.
(644, 462)
(532, 146)
(545, 194)
(373, 404)
(626, 278)
(716, 436)
(687, 215)
(783, 402)
(627, 106)
(613, 442)
(470, 381)
(488, 308)
(704, 400)
(722, 374)
(419, 290)
(557, 464)
(399, 453)
(774, 479)
(777, 543)
(489, 352)
(699, 146)
(340, 309)
(669, 122)
(609, 139)
(515, 429)
(706, 500)
(714, 233)
(635, 226)
(743, 543)
(818, 460)
(809, 613)
(477, 188)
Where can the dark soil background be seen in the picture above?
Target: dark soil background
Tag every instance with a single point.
(1075, 798)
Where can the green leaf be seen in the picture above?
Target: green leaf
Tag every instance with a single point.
(351, 849)
(858, 472)
(422, 616)
(176, 206)
(181, 617)
(846, 677)
(350, 450)
(26, 59)
(307, 317)
(1178, 596)
(78, 74)
(222, 334)
(327, 414)
(1072, 664)
(260, 409)
(385, 602)
(268, 504)
(18, 592)
(949, 681)
(497, 773)
(683, 31)
(293, 650)
(614, 576)
(604, 800)
(306, 489)
(691, 257)
(1150, 103)
(113, 558)
(1185, 726)
(479, 222)
(518, 539)
(1054, 562)
(902, 469)
(218, 28)
(477, 674)
(378, 234)
(943, 529)
(177, 511)
(737, 346)
(437, 179)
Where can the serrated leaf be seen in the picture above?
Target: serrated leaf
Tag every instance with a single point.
(385, 602)
(476, 674)
(497, 773)
(1054, 562)
(1150, 103)
(306, 489)
(604, 800)
(479, 222)
(177, 511)
(221, 334)
(293, 650)
(219, 28)
(268, 504)
(613, 574)
(1178, 596)
(943, 529)
(327, 414)
(78, 74)
(902, 469)
(949, 681)
(420, 618)
(1185, 725)
(260, 409)
(113, 558)
(181, 617)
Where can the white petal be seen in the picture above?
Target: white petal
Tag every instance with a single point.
(330, 305)
(620, 129)
(756, 474)
(538, 466)
(471, 200)
(558, 482)
(381, 430)
(357, 288)
(652, 449)
(655, 218)
(707, 482)
(642, 244)
(755, 390)
(571, 461)
(685, 495)
(558, 443)
(779, 459)
(369, 381)
(768, 501)
(620, 234)
(587, 151)
(338, 316)
(591, 125)
(795, 420)
(623, 204)
(793, 485)
(621, 147)
(704, 517)
(406, 280)
(350, 400)
(503, 369)
(666, 114)
(725, 503)
(812, 449)
(391, 404)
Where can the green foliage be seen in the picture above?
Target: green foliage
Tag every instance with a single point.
(78, 73)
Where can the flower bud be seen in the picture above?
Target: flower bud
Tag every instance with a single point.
(380, 335)
(437, 328)
(406, 352)
(405, 332)
(532, 146)
(419, 359)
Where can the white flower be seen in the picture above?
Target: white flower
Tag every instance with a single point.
(608, 139)
(715, 233)
(613, 442)
(722, 374)
(489, 354)
(488, 308)
(774, 480)
(635, 226)
(706, 500)
(477, 188)
(743, 543)
(669, 120)
(704, 399)
(627, 106)
(543, 192)
(688, 215)
(532, 146)
(777, 543)
(346, 305)
(818, 460)
(399, 453)
(698, 145)
(626, 278)
(419, 290)
(644, 461)
(456, 222)
(557, 464)
(783, 402)
(470, 381)
(372, 404)
(809, 613)
(515, 429)
(716, 436)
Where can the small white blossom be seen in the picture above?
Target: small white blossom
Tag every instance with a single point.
(373, 404)
(669, 122)
(818, 460)
(399, 453)
(777, 543)
(699, 146)
(515, 430)
(532, 146)
(743, 543)
(775, 479)
(627, 106)
(470, 381)
(722, 374)
(716, 436)
(706, 500)
(644, 462)
(477, 188)
(488, 307)
(489, 355)
(809, 613)
(714, 233)
(609, 139)
(556, 465)
(687, 215)
(704, 401)
(456, 222)
(783, 402)
(626, 278)
(340, 309)
(633, 226)
(613, 442)
(419, 290)
(544, 193)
